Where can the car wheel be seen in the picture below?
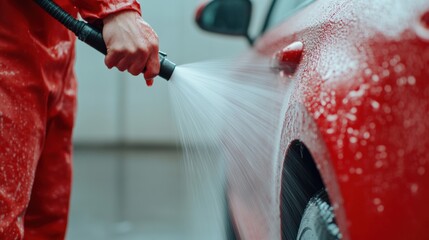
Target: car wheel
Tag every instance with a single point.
(318, 220)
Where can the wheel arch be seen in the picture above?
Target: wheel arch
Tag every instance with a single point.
(300, 180)
(301, 132)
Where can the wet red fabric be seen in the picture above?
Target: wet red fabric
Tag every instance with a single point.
(37, 110)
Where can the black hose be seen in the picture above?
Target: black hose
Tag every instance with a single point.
(93, 36)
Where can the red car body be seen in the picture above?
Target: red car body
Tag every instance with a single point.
(360, 105)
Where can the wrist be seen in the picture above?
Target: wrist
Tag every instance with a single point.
(129, 13)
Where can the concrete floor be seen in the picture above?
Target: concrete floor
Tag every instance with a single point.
(126, 195)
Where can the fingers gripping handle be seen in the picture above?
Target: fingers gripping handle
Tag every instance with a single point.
(93, 36)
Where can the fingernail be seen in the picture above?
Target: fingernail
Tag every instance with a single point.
(149, 82)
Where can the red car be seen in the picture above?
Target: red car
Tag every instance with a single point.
(354, 148)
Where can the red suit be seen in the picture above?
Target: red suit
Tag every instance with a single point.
(37, 110)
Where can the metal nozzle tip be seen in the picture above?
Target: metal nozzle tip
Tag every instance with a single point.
(167, 68)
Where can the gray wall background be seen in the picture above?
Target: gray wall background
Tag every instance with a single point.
(116, 107)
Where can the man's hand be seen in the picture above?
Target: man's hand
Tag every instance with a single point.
(131, 45)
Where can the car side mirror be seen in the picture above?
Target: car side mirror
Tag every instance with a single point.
(229, 17)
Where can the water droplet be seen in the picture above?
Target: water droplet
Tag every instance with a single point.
(344, 178)
(411, 80)
(421, 171)
(380, 208)
(375, 78)
(358, 156)
(353, 140)
(385, 65)
(381, 148)
(385, 73)
(375, 104)
(395, 60)
(401, 81)
(376, 201)
(401, 152)
(377, 90)
(366, 135)
(414, 188)
(379, 164)
(332, 117)
(399, 68)
(359, 171)
(387, 109)
(387, 88)
(382, 155)
(351, 117)
(368, 71)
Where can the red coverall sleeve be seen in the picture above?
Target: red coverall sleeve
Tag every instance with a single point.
(92, 10)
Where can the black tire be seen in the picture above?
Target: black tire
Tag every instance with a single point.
(318, 220)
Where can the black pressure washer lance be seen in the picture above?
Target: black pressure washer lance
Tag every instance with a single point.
(93, 36)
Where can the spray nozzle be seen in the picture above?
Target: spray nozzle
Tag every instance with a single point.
(167, 66)
(93, 36)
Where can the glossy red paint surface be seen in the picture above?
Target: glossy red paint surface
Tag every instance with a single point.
(37, 108)
(360, 104)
